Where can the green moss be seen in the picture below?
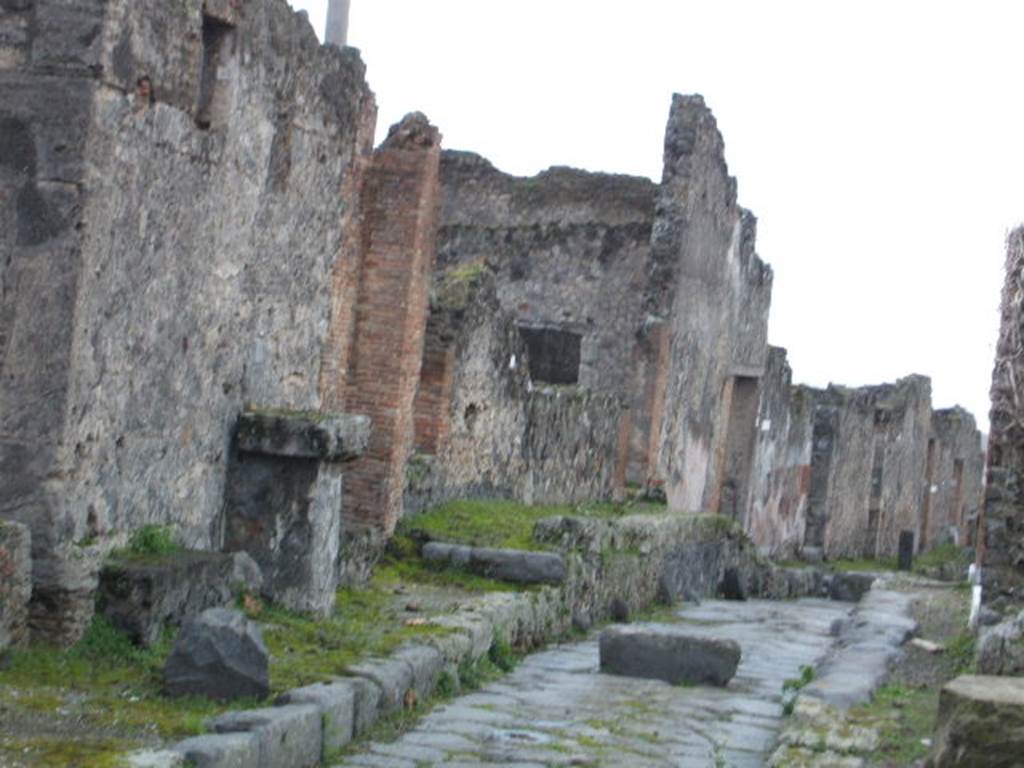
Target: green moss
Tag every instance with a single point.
(940, 556)
(55, 752)
(289, 413)
(121, 682)
(506, 524)
(365, 623)
(458, 285)
(863, 565)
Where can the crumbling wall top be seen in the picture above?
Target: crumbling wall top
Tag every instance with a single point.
(414, 131)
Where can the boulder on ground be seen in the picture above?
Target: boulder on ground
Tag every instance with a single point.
(668, 654)
(980, 723)
(219, 654)
(1001, 648)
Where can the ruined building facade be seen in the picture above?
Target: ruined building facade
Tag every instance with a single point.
(239, 243)
(1003, 543)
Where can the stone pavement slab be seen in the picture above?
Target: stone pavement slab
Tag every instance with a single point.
(557, 709)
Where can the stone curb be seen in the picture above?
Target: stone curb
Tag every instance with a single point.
(307, 725)
(869, 641)
(346, 707)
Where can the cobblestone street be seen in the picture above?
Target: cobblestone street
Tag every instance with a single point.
(556, 708)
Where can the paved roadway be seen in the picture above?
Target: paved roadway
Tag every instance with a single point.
(557, 709)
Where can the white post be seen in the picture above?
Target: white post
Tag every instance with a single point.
(337, 23)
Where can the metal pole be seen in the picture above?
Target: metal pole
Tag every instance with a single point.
(337, 23)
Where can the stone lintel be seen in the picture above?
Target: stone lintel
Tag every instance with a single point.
(317, 435)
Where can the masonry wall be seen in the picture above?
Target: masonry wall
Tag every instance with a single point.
(571, 253)
(153, 278)
(1003, 516)
(957, 472)
(660, 283)
(714, 293)
(781, 475)
(484, 430)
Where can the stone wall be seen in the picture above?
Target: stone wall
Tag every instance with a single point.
(659, 287)
(713, 293)
(483, 429)
(955, 477)
(154, 279)
(1003, 525)
(571, 254)
(781, 475)
(841, 472)
(15, 583)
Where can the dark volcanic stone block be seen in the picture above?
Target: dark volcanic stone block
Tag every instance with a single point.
(286, 513)
(219, 654)
(850, 587)
(669, 655)
(141, 597)
(513, 565)
(304, 435)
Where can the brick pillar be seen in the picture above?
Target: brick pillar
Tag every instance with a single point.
(399, 223)
(433, 399)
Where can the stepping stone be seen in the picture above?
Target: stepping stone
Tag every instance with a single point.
(662, 653)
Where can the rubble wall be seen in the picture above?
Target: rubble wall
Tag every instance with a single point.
(571, 253)
(1003, 523)
(780, 479)
(484, 430)
(173, 285)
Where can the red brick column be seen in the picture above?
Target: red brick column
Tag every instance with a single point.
(433, 400)
(399, 223)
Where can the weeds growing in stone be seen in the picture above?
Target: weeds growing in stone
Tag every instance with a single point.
(150, 541)
(506, 524)
(792, 686)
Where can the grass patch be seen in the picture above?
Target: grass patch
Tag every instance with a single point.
(960, 651)
(863, 565)
(365, 623)
(940, 556)
(149, 541)
(506, 524)
(121, 681)
(46, 752)
(903, 716)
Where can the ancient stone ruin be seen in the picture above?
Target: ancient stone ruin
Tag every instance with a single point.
(1003, 544)
(230, 247)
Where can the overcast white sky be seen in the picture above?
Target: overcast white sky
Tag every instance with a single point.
(879, 142)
